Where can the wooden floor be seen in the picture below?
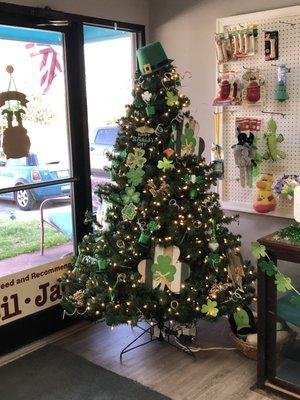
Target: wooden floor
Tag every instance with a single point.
(215, 375)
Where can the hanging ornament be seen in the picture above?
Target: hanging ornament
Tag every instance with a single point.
(150, 109)
(151, 227)
(164, 271)
(235, 269)
(163, 190)
(165, 164)
(129, 212)
(16, 143)
(136, 159)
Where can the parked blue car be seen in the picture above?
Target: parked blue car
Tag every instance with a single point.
(27, 170)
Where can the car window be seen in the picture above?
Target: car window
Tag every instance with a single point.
(106, 136)
(16, 162)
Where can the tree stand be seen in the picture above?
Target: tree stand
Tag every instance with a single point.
(165, 332)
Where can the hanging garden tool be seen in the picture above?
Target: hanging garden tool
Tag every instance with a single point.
(16, 143)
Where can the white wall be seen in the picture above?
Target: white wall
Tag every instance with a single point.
(135, 11)
(186, 29)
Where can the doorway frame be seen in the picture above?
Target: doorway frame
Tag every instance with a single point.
(35, 326)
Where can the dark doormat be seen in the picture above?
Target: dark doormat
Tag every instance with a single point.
(52, 373)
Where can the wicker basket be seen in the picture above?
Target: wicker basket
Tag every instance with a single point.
(250, 351)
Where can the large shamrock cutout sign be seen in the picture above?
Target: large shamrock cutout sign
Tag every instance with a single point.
(164, 270)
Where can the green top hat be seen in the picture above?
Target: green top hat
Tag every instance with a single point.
(151, 58)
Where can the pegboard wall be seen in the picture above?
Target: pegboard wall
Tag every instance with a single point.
(287, 22)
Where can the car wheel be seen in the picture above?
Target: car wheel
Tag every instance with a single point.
(24, 199)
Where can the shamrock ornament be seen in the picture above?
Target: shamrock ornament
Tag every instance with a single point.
(135, 176)
(165, 164)
(269, 267)
(136, 159)
(210, 308)
(129, 211)
(131, 196)
(283, 283)
(172, 99)
(258, 250)
(187, 140)
(213, 258)
(146, 96)
(164, 270)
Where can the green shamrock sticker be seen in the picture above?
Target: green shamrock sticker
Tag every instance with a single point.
(165, 164)
(135, 176)
(131, 196)
(187, 140)
(172, 99)
(283, 283)
(163, 270)
(210, 308)
(136, 159)
(269, 267)
(258, 250)
(129, 211)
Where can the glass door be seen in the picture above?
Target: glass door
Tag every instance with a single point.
(109, 67)
(36, 181)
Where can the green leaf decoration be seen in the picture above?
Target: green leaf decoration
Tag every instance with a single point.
(283, 283)
(131, 196)
(165, 164)
(172, 99)
(295, 300)
(258, 250)
(269, 267)
(135, 176)
(129, 211)
(210, 308)
(187, 140)
(136, 159)
(214, 258)
(163, 268)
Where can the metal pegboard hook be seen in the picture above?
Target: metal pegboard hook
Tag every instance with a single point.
(274, 113)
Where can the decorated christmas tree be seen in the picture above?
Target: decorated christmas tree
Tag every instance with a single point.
(160, 249)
